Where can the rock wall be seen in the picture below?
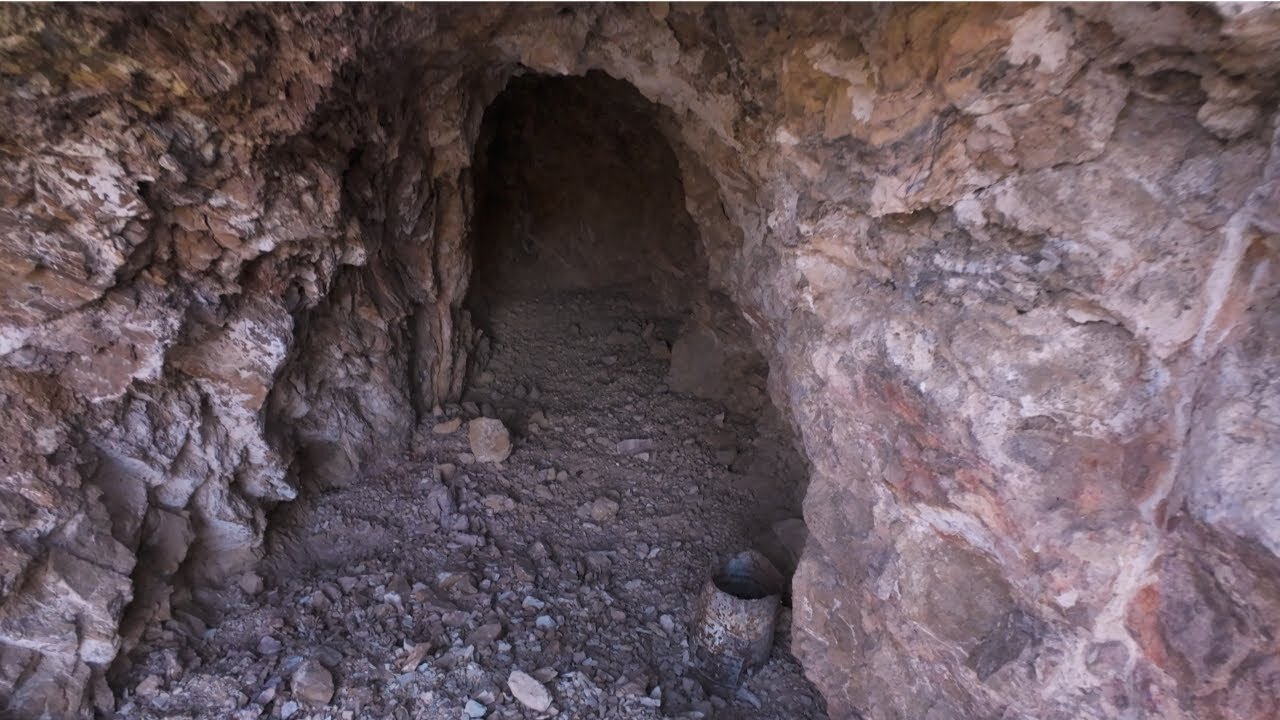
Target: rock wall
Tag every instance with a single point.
(1013, 269)
(146, 229)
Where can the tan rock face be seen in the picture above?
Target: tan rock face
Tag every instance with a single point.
(1011, 268)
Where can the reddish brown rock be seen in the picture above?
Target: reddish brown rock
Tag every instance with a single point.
(1011, 269)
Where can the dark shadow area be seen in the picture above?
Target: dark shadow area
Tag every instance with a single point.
(577, 189)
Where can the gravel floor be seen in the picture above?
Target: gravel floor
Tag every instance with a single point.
(576, 561)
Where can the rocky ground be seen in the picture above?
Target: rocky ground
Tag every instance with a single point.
(557, 582)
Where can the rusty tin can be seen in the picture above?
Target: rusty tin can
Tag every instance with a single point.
(734, 622)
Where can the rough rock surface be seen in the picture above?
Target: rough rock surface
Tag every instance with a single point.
(1012, 269)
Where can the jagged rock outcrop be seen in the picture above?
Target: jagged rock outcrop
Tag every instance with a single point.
(1012, 268)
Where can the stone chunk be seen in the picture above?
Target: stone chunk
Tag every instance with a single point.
(490, 441)
(312, 684)
(600, 510)
(447, 427)
(633, 446)
(250, 582)
(149, 686)
(268, 645)
(497, 502)
(529, 691)
(415, 657)
(484, 635)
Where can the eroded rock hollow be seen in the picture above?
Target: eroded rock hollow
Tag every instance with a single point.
(993, 287)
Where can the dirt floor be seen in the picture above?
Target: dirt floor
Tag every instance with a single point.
(577, 560)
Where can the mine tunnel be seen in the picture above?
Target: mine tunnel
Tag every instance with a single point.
(718, 361)
(585, 255)
(577, 189)
(613, 423)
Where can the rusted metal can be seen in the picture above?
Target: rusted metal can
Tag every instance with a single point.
(734, 621)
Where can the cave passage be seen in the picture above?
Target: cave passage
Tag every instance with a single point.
(577, 189)
(580, 217)
(637, 452)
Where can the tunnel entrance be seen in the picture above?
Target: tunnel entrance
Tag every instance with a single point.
(580, 217)
(612, 448)
(577, 189)
(632, 386)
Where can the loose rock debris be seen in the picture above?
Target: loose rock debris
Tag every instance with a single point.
(559, 583)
